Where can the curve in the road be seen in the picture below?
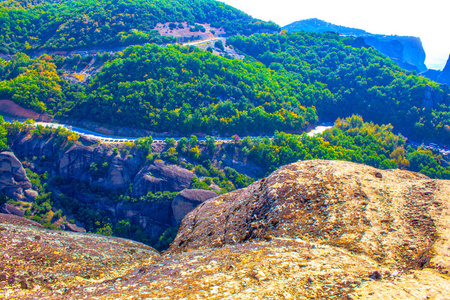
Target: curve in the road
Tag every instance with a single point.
(120, 139)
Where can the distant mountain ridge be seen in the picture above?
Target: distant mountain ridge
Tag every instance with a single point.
(407, 51)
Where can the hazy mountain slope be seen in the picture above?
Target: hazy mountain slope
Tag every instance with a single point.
(407, 51)
(439, 76)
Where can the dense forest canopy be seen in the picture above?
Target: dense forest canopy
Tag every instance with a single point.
(177, 88)
(31, 83)
(356, 80)
(66, 24)
(351, 139)
(285, 83)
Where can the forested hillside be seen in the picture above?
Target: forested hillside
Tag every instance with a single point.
(65, 24)
(351, 139)
(281, 84)
(187, 90)
(210, 118)
(32, 83)
(355, 80)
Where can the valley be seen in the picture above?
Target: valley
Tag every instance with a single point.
(186, 150)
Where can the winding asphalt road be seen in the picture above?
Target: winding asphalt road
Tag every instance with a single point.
(120, 139)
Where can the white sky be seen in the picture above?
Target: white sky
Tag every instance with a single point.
(425, 19)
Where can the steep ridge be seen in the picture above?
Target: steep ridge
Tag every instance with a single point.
(407, 51)
(311, 230)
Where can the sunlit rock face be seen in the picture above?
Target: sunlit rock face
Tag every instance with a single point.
(389, 215)
(187, 200)
(310, 230)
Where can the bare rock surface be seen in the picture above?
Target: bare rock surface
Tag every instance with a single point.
(159, 176)
(393, 218)
(38, 262)
(277, 269)
(311, 230)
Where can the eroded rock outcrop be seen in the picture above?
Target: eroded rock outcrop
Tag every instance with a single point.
(14, 182)
(101, 166)
(159, 176)
(311, 230)
(187, 200)
(393, 216)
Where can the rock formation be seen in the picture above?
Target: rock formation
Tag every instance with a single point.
(161, 177)
(9, 209)
(407, 51)
(36, 261)
(187, 200)
(392, 216)
(311, 230)
(120, 172)
(14, 182)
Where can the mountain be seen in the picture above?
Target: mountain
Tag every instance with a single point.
(407, 51)
(353, 80)
(286, 82)
(142, 190)
(314, 229)
(66, 24)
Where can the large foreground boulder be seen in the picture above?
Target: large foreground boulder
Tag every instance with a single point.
(311, 230)
(395, 217)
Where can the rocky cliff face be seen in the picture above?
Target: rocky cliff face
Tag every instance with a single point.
(14, 182)
(439, 76)
(311, 230)
(161, 177)
(115, 172)
(407, 51)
